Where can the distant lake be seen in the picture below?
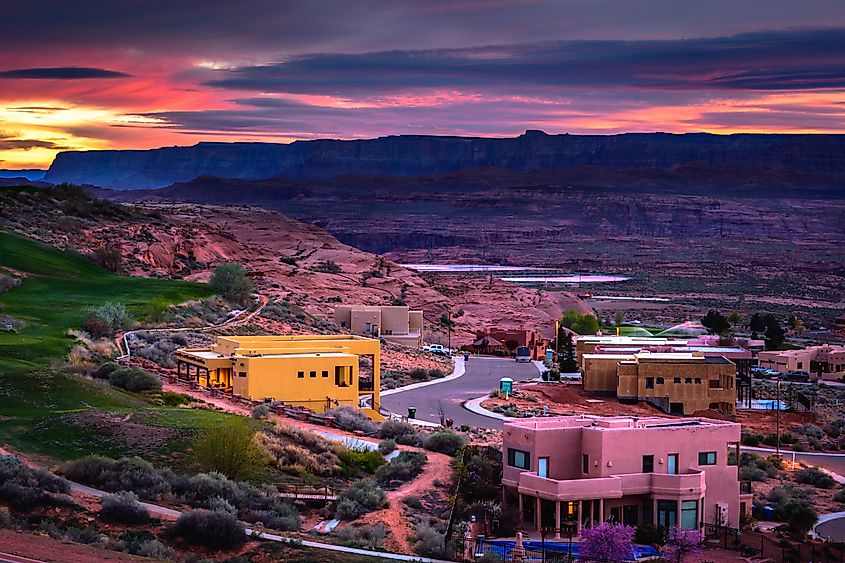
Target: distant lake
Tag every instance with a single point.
(507, 273)
(470, 268)
(570, 278)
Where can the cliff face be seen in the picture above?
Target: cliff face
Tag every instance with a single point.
(821, 155)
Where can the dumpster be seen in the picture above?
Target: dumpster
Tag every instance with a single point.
(412, 412)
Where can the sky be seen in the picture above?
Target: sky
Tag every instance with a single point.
(139, 74)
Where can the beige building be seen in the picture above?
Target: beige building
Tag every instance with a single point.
(393, 323)
(678, 383)
(827, 360)
(588, 344)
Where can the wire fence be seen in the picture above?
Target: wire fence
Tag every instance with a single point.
(533, 551)
(779, 550)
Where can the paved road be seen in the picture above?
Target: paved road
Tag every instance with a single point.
(11, 558)
(482, 375)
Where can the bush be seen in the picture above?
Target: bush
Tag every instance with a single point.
(231, 282)
(230, 449)
(445, 442)
(201, 489)
(359, 498)
(357, 462)
(126, 474)
(285, 518)
(839, 496)
(219, 504)
(24, 487)
(171, 399)
(404, 467)
(215, 530)
(365, 537)
(106, 320)
(418, 374)
(123, 508)
(5, 517)
(134, 379)
(386, 446)
(752, 440)
(351, 420)
(105, 370)
(813, 431)
(413, 502)
(402, 432)
(259, 412)
(428, 542)
(436, 373)
(815, 477)
(800, 517)
(154, 549)
(752, 473)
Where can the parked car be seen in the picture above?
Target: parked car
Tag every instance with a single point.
(798, 375)
(437, 349)
(523, 354)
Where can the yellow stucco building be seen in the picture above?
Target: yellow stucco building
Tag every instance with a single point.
(319, 372)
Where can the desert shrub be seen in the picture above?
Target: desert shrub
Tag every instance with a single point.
(8, 282)
(5, 517)
(359, 498)
(752, 440)
(24, 487)
(752, 473)
(259, 412)
(649, 534)
(351, 419)
(815, 477)
(812, 431)
(105, 370)
(134, 379)
(231, 282)
(296, 459)
(418, 374)
(445, 442)
(231, 449)
(219, 504)
(839, 496)
(413, 502)
(404, 467)
(402, 432)
(354, 462)
(123, 508)
(106, 320)
(428, 542)
(171, 399)
(800, 517)
(126, 474)
(109, 257)
(199, 490)
(834, 428)
(815, 443)
(365, 537)
(386, 446)
(436, 373)
(215, 530)
(283, 517)
(327, 267)
(153, 549)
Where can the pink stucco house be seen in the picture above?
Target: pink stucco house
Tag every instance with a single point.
(654, 470)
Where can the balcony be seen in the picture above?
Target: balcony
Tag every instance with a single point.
(615, 486)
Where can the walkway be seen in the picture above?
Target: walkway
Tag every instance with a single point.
(481, 376)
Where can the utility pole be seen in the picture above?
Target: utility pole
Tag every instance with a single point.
(777, 417)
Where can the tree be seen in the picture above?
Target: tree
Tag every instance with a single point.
(620, 317)
(715, 322)
(106, 319)
(607, 542)
(582, 324)
(681, 544)
(511, 344)
(800, 517)
(795, 324)
(774, 334)
(756, 324)
(230, 449)
(568, 363)
(735, 318)
(231, 282)
(109, 257)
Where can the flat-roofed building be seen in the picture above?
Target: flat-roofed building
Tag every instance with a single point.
(588, 344)
(676, 382)
(653, 470)
(826, 361)
(319, 372)
(393, 323)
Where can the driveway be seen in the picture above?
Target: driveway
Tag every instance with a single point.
(482, 376)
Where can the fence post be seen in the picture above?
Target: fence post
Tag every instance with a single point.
(762, 544)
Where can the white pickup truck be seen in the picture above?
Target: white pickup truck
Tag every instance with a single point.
(437, 349)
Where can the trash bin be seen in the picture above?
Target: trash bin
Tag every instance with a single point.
(506, 385)
(412, 412)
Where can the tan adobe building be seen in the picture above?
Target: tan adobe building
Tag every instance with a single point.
(827, 360)
(319, 372)
(677, 383)
(588, 344)
(393, 323)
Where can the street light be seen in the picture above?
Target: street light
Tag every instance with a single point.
(777, 417)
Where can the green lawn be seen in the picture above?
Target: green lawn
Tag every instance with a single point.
(37, 399)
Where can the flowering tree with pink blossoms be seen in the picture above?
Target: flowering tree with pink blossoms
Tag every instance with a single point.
(607, 542)
(681, 544)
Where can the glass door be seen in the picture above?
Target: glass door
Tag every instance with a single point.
(673, 464)
(667, 513)
(543, 467)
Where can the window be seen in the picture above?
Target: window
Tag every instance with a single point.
(313, 374)
(649, 383)
(543, 467)
(325, 373)
(300, 374)
(519, 459)
(689, 514)
(585, 463)
(660, 381)
(648, 464)
(800, 365)
(706, 458)
(672, 464)
(368, 327)
(241, 374)
(698, 381)
(688, 380)
(341, 376)
(667, 513)
(342, 324)
(677, 380)
(715, 384)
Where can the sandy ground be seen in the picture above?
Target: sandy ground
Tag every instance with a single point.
(44, 548)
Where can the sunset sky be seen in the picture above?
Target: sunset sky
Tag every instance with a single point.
(148, 73)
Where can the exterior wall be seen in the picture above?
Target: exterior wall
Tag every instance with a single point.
(395, 323)
(784, 362)
(600, 372)
(830, 358)
(523, 337)
(694, 396)
(615, 478)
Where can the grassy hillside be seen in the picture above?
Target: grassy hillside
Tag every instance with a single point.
(44, 410)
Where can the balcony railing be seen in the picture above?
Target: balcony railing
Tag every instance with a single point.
(615, 486)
